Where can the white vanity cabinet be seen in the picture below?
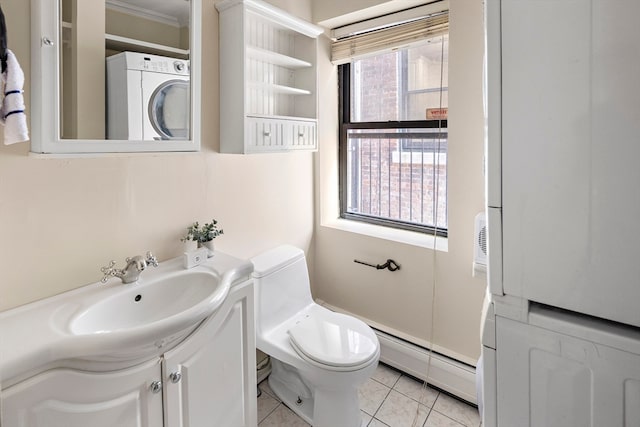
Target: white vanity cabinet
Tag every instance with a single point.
(207, 380)
(268, 79)
(71, 398)
(210, 379)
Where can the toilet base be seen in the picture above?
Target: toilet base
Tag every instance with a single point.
(303, 407)
(324, 408)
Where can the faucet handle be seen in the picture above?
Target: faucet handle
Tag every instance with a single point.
(108, 271)
(151, 259)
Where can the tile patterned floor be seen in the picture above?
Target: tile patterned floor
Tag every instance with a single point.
(388, 399)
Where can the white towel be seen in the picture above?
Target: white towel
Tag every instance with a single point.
(12, 114)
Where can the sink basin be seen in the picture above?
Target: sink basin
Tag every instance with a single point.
(159, 301)
(138, 320)
(105, 327)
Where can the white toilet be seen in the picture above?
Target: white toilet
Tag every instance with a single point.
(319, 358)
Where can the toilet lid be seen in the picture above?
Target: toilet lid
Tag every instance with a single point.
(334, 339)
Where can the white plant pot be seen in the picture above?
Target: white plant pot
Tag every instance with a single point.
(209, 246)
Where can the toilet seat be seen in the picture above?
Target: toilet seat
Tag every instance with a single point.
(334, 341)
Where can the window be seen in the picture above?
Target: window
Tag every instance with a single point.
(393, 137)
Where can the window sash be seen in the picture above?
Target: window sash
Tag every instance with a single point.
(391, 166)
(344, 83)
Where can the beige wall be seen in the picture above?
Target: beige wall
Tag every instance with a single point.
(87, 108)
(335, 13)
(61, 219)
(125, 25)
(401, 302)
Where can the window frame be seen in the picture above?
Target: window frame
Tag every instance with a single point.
(345, 124)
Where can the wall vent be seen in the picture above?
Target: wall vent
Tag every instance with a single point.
(480, 244)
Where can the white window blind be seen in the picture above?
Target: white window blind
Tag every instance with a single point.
(389, 38)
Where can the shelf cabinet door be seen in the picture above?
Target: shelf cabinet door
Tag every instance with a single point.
(70, 398)
(303, 135)
(264, 135)
(210, 379)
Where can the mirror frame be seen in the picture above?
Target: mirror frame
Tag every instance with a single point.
(45, 90)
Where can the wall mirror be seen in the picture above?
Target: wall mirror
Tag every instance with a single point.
(114, 76)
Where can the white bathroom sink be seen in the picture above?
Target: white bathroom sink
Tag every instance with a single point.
(139, 319)
(105, 327)
(181, 298)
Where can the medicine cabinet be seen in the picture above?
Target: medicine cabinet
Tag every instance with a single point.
(268, 79)
(72, 95)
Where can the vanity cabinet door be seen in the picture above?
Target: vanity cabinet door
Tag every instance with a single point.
(71, 398)
(210, 379)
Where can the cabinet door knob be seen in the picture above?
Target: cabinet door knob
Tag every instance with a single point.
(300, 134)
(155, 387)
(267, 133)
(175, 377)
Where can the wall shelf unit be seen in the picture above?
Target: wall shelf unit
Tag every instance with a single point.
(268, 79)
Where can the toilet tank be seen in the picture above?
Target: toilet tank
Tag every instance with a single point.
(281, 282)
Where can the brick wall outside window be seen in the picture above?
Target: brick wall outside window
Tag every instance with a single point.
(392, 174)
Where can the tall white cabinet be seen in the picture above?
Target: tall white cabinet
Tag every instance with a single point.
(561, 339)
(268, 79)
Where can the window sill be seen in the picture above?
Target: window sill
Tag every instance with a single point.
(412, 238)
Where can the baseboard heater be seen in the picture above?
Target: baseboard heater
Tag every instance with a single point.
(445, 373)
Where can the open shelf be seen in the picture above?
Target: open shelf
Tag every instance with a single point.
(281, 89)
(271, 116)
(120, 43)
(275, 58)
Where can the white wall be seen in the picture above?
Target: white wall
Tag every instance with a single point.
(400, 302)
(61, 219)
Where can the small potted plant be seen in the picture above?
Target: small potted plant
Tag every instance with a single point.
(203, 235)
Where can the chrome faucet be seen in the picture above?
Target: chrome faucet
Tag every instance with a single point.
(131, 272)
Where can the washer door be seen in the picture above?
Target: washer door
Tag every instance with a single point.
(169, 109)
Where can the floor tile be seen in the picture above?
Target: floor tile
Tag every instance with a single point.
(382, 406)
(416, 390)
(386, 375)
(264, 386)
(283, 417)
(266, 404)
(366, 419)
(377, 423)
(458, 410)
(371, 394)
(399, 410)
(436, 419)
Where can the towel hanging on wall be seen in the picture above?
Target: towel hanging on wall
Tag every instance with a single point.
(12, 114)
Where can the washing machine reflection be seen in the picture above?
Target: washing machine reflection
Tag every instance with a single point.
(148, 97)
